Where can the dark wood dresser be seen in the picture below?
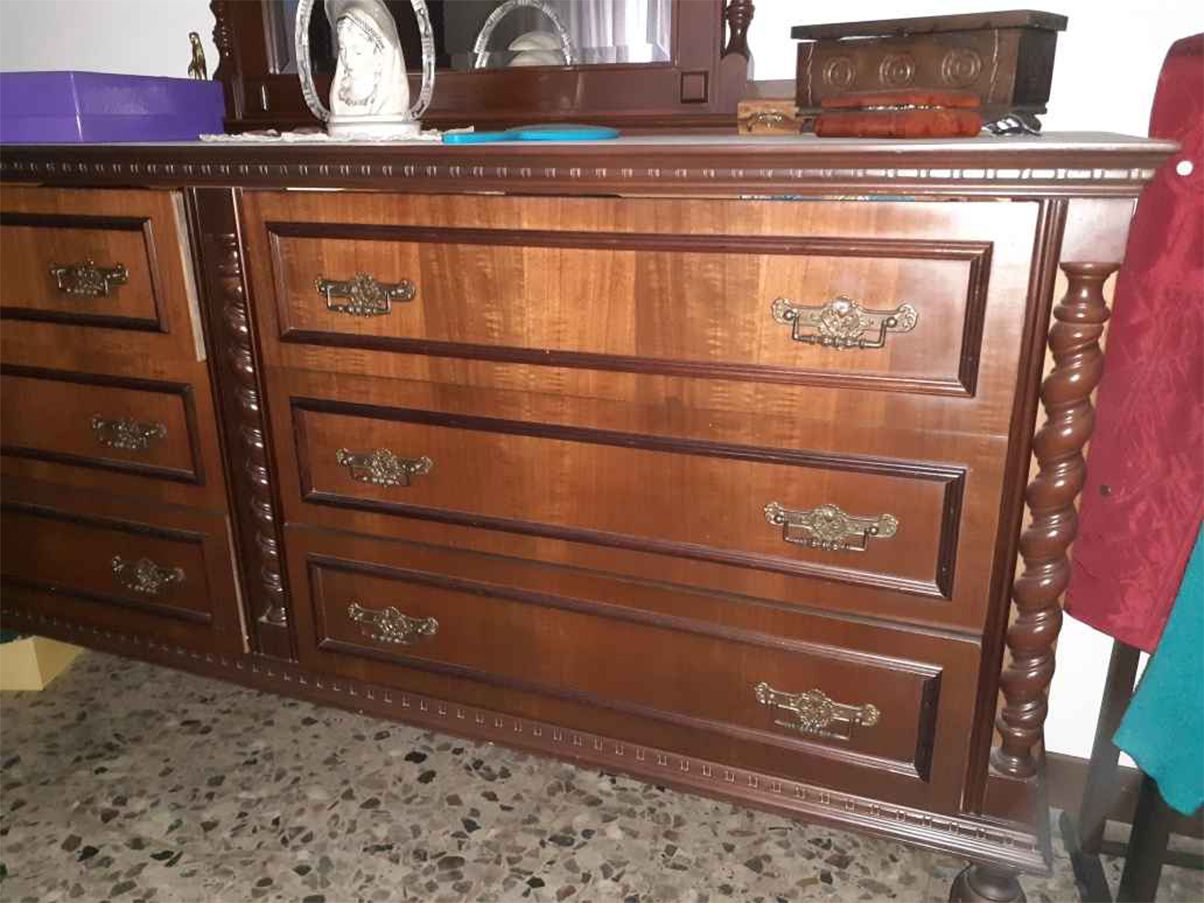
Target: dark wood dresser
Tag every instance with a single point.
(700, 459)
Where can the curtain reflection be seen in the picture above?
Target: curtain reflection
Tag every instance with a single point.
(601, 32)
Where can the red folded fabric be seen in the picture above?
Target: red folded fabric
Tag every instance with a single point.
(1144, 496)
(899, 114)
(899, 124)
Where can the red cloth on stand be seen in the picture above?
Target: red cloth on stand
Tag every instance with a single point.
(1144, 497)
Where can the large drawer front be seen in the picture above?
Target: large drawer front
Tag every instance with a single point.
(134, 426)
(856, 312)
(84, 268)
(800, 707)
(869, 522)
(170, 579)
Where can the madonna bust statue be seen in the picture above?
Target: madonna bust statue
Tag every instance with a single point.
(370, 95)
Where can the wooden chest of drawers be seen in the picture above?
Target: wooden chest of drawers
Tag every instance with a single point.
(114, 499)
(699, 461)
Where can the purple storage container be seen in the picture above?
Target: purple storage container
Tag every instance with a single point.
(87, 107)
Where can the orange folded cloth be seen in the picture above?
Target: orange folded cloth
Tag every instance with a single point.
(900, 114)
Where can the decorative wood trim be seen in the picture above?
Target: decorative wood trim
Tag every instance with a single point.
(159, 609)
(763, 167)
(1047, 249)
(979, 839)
(183, 391)
(977, 254)
(237, 377)
(930, 675)
(145, 225)
(1058, 446)
(597, 608)
(951, 476)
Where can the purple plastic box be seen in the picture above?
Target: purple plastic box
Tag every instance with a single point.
(85, 107)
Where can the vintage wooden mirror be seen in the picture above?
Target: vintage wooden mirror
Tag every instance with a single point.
(632, 63)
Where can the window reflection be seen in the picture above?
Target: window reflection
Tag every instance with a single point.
(518, 33)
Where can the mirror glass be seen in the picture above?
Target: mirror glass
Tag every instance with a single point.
(498, 34)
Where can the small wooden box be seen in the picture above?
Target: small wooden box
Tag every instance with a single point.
(768, 116)
(1006, 58)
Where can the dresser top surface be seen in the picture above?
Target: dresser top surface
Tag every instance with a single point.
(1078, 163)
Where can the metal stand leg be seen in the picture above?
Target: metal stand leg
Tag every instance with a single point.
(1147, 846)
(1098, 793)
(1083, 835)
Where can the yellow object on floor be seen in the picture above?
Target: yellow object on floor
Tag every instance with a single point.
(31, 663)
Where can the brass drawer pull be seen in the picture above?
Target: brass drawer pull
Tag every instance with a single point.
(382, 467)
(389, 625)
(829, 528)
(815, 713)
(87, 278)
(144, 576)
(365, 297)
(122, 432)
(843, 323)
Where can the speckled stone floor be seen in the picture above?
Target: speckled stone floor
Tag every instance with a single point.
(125, 781)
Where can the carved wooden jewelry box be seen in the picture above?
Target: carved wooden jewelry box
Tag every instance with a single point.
(1006, 58)
(697, 458)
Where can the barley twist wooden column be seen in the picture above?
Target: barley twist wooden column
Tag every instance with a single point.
(1058, 447)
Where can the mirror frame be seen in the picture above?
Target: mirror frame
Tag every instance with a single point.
(698, 88)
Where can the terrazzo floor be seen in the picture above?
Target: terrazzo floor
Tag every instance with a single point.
(129, 782)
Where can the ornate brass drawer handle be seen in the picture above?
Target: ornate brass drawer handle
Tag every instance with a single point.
(382, 467)
(144, 576)
(843, 323)
(829, 528)
(389, 625)
(87, 278)
(122, 432)
(364, 296)
(815, 713)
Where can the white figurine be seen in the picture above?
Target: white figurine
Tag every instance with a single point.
(370, 75)
(369, 95)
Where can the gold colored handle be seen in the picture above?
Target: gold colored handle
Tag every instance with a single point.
(827, 527)
(87, 278)
(389, 625)
(843, 323)
(382, 467)
(363, 295)
(814, 712)
(122, 432)
(144, 576)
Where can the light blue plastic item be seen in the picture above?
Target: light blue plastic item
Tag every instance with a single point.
(553, 132)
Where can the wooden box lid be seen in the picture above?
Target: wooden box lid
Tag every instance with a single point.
(889, 28)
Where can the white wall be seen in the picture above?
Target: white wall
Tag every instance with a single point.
(1107, 66)
(138, 37)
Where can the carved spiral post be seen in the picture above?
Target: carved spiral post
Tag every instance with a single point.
(251, 443)
(1058, 447)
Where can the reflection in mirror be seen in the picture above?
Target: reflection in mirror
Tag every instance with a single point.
(498, 34)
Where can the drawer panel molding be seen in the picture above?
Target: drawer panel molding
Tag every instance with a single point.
(924, 566)
(82, 270)
(115, 562)
(502, 636)
(493, 326)
(85, 420)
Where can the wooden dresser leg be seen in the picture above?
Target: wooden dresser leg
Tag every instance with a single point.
(986, 884)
